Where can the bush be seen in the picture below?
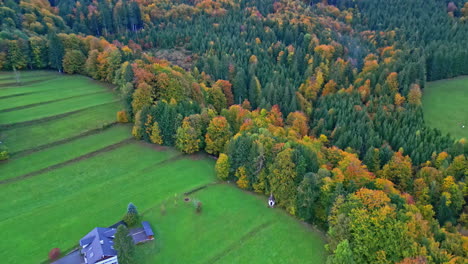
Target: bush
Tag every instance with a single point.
(198, 206)
(54, 254)
(131, 217)
(4, 155)
(122, 117)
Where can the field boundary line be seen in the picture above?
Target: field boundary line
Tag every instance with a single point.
(184, 193)
(47, 102)
(197, 189)
(49, 118)
(68, 162)
(34, 92)
(63, 141)
(241, 241)
(15, 95)
(28, 83)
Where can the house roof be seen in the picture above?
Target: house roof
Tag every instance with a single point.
(147, 228)
(98, 244)
(121, 222)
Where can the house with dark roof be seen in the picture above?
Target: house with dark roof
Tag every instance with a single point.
(97, 247)
(142, 234)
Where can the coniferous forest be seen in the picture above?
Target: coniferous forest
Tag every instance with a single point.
(317, 102)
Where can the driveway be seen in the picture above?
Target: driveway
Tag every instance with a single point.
(72, 258)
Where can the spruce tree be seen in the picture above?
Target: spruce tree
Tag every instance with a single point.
(124, 245)
(56, 52)
(131, 217)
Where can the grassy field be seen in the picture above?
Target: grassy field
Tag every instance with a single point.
(72, 172)
(445, 105)
(63, 128)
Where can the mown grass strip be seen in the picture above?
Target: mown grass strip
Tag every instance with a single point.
(63, 141)
(59, 201)
(21, 83)
(11, 79)
(239, 243)
(54, 84)
(5, 110)
(14, 95)
(40, 161)
(92, 120)
(230, 219)
(307, 242)
(22, 89)
(68, 162)
(48, 118)
(9, 75)
(55, 185)
(32, 98)
(51, 110)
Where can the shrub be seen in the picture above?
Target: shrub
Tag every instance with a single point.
(122, 117)
(131, 217)
(54, 254)
(4, 155)
(198, 206)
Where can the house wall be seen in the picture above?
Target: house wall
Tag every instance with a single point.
(112, 260)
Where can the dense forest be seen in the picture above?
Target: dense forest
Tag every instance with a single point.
(316, 102)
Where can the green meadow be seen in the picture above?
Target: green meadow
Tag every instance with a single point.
(72, 169)
(445, 105)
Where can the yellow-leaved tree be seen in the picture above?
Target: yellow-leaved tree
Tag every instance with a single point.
(155, 135)
(187, 138)
(218, 133)
(222, 166)
(241, 175)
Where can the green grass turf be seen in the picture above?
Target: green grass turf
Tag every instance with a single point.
(8, 75)
(55, 82)
(35, 98)
(25, 78)
(445, 105)
(252, 232)
(56, 108)
(50, 84)
(34, 135)
(59, 206)
(62, 153)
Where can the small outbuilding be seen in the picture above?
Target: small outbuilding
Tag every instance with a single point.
(142, 234)
(148, 231)
(271, 201)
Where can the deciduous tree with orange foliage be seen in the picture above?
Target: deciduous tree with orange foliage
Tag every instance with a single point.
(226, 87)
(218, 133)
(392, 82)
(398, 170)
(297, 121)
